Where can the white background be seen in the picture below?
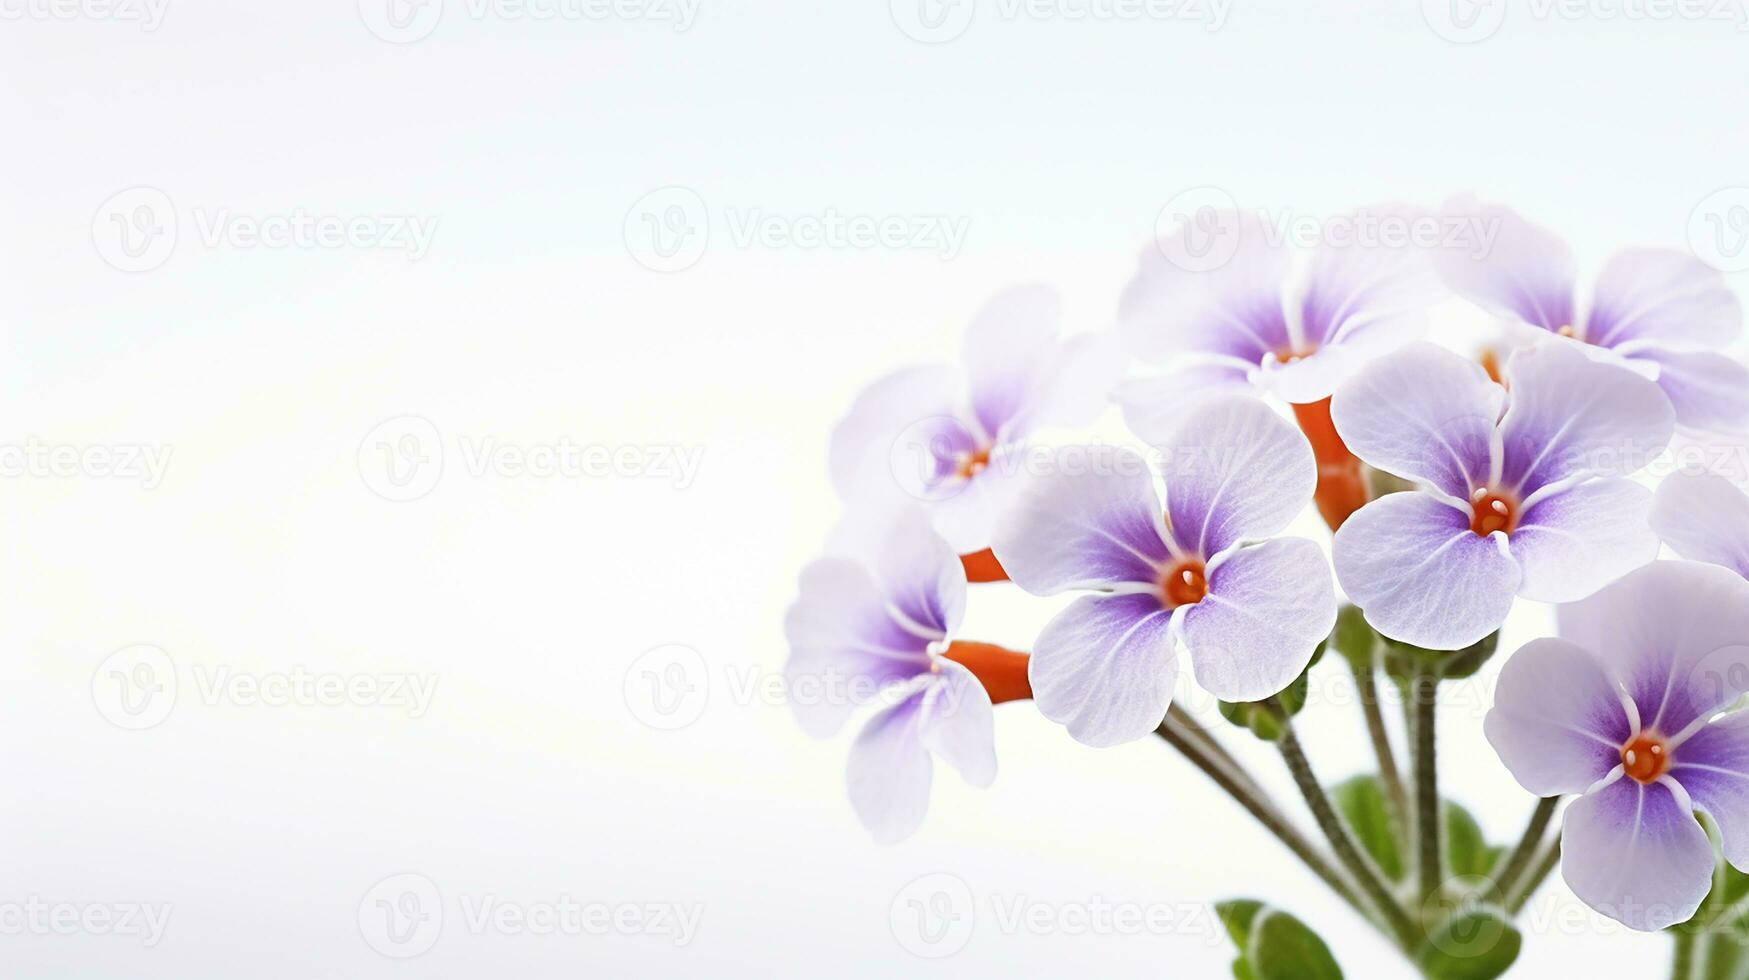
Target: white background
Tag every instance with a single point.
(529, 321)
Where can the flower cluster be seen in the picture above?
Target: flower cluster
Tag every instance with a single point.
(1456, 483)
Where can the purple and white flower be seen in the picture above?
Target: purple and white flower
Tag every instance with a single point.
(1620, 710)
(1284, 321)
(1197, 573)
(871, 631)
(1517, 495)
(1661, 312)
(1704, 517)
(955, 437)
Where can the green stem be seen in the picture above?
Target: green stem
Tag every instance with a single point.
(1341, 842)
(1682, 963)
(1423, 696)
(1390, 777)
(1532, 838)
(1245, 792)
(1528, 887)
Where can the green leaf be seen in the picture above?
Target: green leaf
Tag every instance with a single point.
(1477, 944)
(1254, 716)
(1361, 801)
(1274, 945)
(1466, 850)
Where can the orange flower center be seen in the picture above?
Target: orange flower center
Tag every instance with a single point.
(1494, 512)
(1645, 758)
(1186, 583)
(972, 463)
(1288, 355)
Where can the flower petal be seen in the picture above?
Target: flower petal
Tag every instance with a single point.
(889, 772)
(862, 442)
(1713, 766)
(1233, 310)
(1154, 407)
(1423, 413)
(1557, 722)
(1576, 541)
(1710, 391)
(1527, 273)
(1268, 608)
(1662, 296)
(1235, 470)
(1104, 667)
(1092, 527)
(1006, 349)
(1421, 575)
(844, 640)
(918, 574)
(1704, 517)
(1674, 634)
(1367, 295)
(958, 725)
(1636, 854)
(1571, 416)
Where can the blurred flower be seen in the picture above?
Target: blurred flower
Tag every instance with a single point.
(1621, 710)
(1289, 322)
(1661, 312)
(955, 438)
(1250, 614)
(1531, 503)
(1704, 517)
(873, 625)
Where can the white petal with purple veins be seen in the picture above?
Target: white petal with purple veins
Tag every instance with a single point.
(1268, 607)
(1570, 416)
(862, 442)
(1414, 567)
(1636, 854)
(1007, 349)
(1662, 296)
(842, 636)
(889, 772)
(1576, 541)
(1674, 634)
(1092, 528)
(1105, 667)
(1704, 517)
(1235, 309)
(1154, 407)
(1713, 766)
(1235, 470)
(1527, 272)
(957, 723)
(920, 575)
(1708, 390)
(1424, 414)
(1557, 723)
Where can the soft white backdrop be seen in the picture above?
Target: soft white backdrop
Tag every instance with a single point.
(264, 547)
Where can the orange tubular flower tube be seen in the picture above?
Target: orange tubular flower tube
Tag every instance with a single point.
(1342, 486)
(1000, 670)
(982, 566)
